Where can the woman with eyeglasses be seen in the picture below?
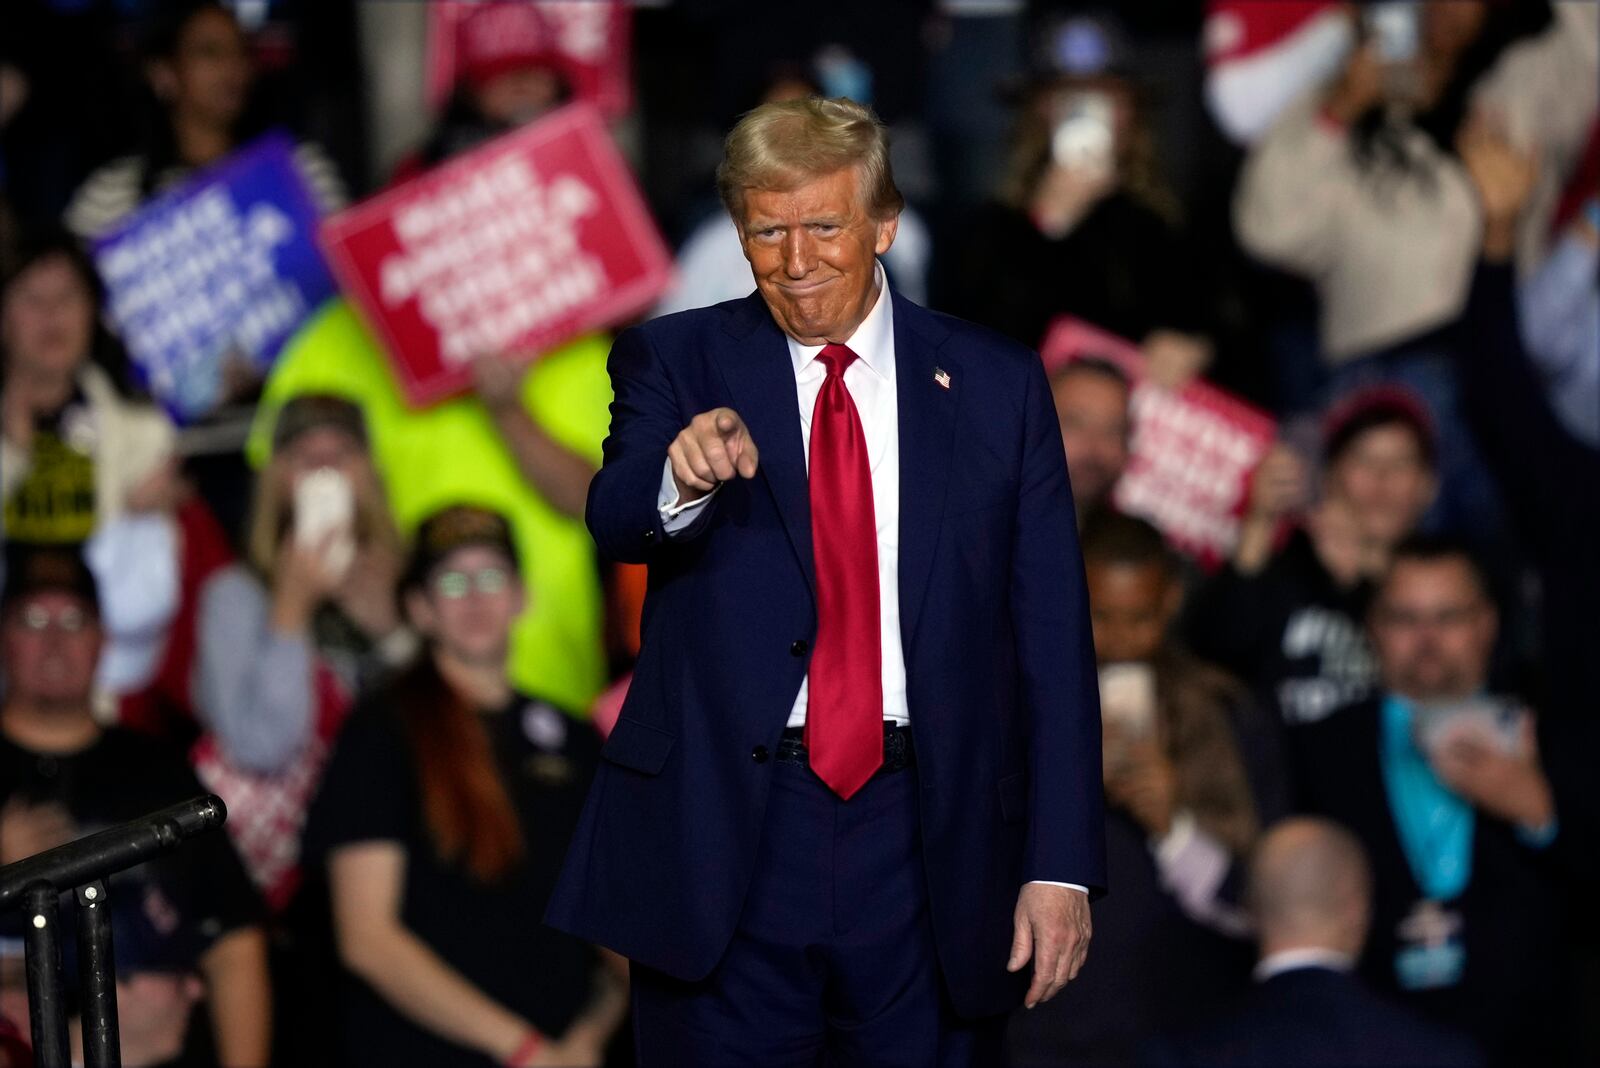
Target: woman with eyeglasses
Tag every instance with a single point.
(440, 828)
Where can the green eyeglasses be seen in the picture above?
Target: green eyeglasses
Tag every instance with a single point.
(454, 585)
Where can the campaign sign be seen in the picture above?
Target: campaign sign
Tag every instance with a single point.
(588, 41)
(507, 251)
(223, 268)
(1194, 450)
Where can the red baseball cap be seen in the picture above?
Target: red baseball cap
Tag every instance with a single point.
(501, 37)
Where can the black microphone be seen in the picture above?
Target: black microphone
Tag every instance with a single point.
(112, 850)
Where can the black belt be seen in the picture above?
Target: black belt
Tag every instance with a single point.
(897, 755)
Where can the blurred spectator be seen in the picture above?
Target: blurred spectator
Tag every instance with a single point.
(1532, 92)
(1551, 479)
(1288, 619)
(1560, 316)
(334, 597)
(526, 446)
(443, 820)
(284, 645)
(1181, 815)
(510, 73)
(76, 451)
(80, 459)
(1085, 224)
(1091, 398)
(62, 775)
(1356, 186)
(711, 265)
(1447, 789)
(1311, 896)
(157, 985)
(199, 69)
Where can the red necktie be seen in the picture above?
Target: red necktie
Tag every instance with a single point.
(844, 705)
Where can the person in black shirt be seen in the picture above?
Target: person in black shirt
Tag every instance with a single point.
(63, 776)
(442, 822)
(1290, 622)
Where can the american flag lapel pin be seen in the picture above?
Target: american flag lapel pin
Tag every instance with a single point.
(941, 376)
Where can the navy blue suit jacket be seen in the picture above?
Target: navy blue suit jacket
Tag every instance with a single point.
(1316, 1018)
(1000, 670)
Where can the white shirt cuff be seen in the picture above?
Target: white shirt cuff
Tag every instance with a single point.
(1052, 882)
(677, 515)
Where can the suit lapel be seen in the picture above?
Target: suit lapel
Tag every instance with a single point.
(760, 376)
(927, 392)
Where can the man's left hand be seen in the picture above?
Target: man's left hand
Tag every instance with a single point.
(1510, 786)
(1052, 929)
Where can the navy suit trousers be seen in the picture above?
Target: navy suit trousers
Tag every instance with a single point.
(833, 961)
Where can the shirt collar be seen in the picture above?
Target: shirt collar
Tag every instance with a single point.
(873, 341)
(1291, 960)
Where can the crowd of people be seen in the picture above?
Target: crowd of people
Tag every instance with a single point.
(1350, 813)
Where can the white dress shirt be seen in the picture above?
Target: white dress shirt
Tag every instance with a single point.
(1289, 960)
(870, 380)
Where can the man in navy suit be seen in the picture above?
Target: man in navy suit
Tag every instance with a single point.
(851, 811)
(1311, 893)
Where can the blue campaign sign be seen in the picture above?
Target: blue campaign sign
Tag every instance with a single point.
(221, 270)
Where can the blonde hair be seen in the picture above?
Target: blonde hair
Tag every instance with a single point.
(782, 145)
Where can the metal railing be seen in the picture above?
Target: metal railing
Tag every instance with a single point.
(35, 884)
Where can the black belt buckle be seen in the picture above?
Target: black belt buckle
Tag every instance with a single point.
(897, 752)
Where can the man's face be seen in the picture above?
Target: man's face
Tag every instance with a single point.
(1433, 630)
(1386, 481)
(468, 604)
(1130, 607)
(813, 253)
(52, 645)
(1093, 410)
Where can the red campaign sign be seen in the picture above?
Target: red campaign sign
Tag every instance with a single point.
(513, 248)
(587, 40)
(1193, 450)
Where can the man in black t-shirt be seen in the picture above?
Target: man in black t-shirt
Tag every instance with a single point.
(63, 776)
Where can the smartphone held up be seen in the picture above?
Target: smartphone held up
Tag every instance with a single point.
(324, 515)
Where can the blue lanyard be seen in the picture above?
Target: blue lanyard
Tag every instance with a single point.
(1434, 824)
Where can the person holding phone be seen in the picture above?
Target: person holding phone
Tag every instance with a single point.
(440, 827)
(1084, 223)
(1472, 849)
(286, 641)
(1189, 781)
(314, 614)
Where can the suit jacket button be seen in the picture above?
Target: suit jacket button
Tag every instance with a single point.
(649, 534)
(798, 648)
(759, 754)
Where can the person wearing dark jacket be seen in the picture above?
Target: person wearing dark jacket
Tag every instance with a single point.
(1472, 851)
(1310, 894)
